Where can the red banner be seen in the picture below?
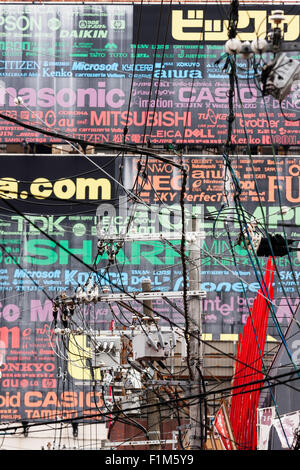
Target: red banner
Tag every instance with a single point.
(222, 426)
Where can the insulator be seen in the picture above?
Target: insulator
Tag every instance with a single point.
(259, 45)
(233, 46)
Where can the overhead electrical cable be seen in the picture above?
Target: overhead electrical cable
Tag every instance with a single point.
(226, 391)
(106, 146)
(239, 207)
(79, 260)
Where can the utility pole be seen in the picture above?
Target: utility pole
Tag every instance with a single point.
(197, 408)
(153, 415)
(149, 342)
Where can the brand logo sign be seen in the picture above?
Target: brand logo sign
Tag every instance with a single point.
(43, 188)
(193, 25)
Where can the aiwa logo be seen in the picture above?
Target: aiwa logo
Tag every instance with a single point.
(196, 25)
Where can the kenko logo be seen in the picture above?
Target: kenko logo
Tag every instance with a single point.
(65, 97)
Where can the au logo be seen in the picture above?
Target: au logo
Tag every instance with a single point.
(191, 25)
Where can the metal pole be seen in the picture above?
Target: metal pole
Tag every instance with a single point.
(197, 408)
(153, 415)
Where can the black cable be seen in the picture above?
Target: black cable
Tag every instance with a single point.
(262, 211)
(25, 271)
(184, 270)
(162, 61)
(239, 207)
(125, 130)
(50, 237)
(152, 74)
(192, 397)
(112, 146)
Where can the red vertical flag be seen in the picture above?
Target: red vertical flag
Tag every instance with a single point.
(249, 365)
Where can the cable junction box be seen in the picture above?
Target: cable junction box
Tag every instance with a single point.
(106, 351)
(154, 345)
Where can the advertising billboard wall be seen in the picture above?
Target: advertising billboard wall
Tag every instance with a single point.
(159, 72)
(47, 252)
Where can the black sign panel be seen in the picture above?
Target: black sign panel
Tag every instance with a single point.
(56, 184)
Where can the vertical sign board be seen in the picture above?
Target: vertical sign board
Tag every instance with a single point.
(79, 69)
(48, 244)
